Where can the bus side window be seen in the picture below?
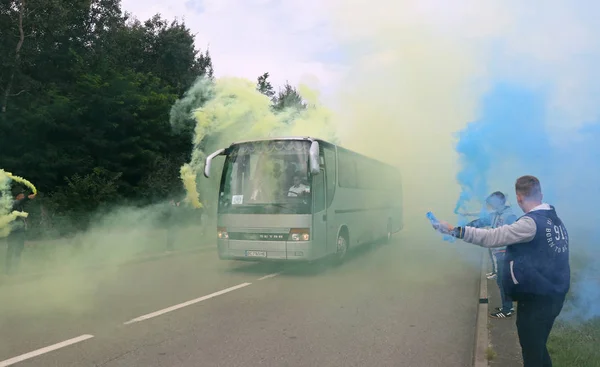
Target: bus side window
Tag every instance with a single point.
(347, 171)
(330, 173)
(318, 192)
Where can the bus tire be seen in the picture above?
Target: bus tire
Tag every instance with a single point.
(342, 245)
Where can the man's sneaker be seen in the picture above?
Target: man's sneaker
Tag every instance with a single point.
(491, 275)
(501, 314)
(512, 310)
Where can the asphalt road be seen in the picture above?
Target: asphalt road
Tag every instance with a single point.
(409, 303)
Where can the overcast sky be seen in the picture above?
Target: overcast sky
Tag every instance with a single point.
(556, 45)
(289, 39)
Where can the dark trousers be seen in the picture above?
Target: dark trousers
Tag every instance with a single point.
(535, 318)
(15, 246)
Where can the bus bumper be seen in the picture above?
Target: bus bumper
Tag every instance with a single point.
(265, 251)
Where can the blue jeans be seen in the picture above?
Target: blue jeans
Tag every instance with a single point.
(494, 263)
(507, 302)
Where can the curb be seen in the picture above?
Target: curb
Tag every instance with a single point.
(481, 328)
(27, 277)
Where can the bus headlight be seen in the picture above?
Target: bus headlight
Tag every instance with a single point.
(299, 234)
(222, 233)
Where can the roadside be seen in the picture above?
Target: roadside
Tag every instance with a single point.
(496, 340)
(47, 258)
(571, 344)
(504, 350)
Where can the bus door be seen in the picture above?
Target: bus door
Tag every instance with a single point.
(319, 222)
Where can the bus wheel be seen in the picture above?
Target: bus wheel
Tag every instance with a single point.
(342, 248)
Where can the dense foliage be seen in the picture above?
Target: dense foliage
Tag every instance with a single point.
(85, 96)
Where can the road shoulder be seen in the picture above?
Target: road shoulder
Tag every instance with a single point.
(504, 350)
(33, 276)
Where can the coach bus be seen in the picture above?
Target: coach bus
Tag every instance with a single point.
(300, 198)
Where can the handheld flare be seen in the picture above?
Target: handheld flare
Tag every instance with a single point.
(434, 222)
(438, 227)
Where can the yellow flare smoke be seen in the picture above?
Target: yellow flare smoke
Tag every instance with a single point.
(21, 180)
(6, 200)
(5, 220)
(237, 111)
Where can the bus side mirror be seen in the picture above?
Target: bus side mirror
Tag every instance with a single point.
(209, 160)
(314, 162)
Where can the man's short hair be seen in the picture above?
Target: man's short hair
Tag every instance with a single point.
(529, 187)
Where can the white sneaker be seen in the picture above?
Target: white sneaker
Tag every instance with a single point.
(491, 275)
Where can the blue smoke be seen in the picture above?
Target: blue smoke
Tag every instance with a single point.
(511, 139)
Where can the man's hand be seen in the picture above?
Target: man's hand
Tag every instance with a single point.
(446, 225)
(32, 196)
(443, 227)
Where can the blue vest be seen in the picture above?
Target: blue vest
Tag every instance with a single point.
(541, 266)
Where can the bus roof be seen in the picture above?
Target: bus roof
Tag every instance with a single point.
(309, 138)
(280, 138)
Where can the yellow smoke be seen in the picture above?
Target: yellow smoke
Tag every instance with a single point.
(238, 111)
(5, 220)
(410, 86)
(21, 180)
(6, 200)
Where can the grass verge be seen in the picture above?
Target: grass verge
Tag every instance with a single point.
(490, 353)
(575, 345)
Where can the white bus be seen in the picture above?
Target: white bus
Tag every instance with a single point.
(300, 198)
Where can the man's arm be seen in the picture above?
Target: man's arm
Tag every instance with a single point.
(481, 222)
(519, 232)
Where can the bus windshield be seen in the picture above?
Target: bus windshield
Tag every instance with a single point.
(267, 177)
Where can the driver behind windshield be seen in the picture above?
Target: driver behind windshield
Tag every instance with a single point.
(298, 187)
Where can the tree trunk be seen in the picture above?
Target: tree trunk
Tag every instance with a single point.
(17, 56)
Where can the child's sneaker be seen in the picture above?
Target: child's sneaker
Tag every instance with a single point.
(501, 314)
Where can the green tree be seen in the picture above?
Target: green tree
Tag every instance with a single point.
(87, 89)
(264, 86)
(288, 98)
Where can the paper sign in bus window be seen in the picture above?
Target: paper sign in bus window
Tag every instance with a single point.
(237, 199)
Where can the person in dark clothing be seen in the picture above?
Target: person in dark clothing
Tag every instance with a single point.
(16, 238)
(536, 266)
(484, 216)
(499, 214)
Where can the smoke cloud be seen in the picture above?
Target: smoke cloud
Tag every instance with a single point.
(465, 98)
(7, 215)
(229, 110)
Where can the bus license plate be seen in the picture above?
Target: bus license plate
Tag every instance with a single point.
(256, 253)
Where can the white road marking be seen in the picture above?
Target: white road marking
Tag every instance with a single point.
(269, 276)
(184, 304)
(41, 351)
